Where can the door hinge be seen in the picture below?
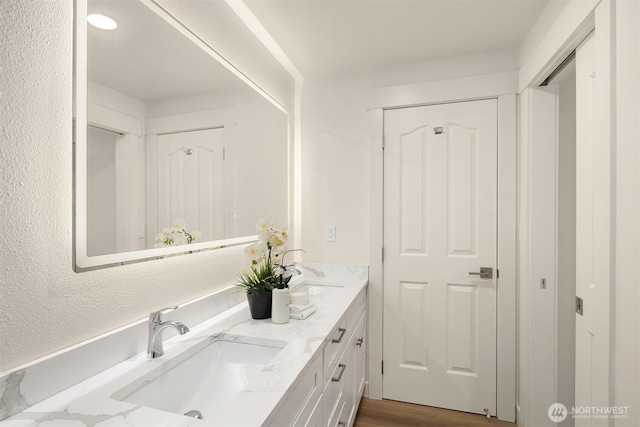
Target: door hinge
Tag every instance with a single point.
(497, 273)
(579, 306)
(382, 255)
(383, 138)
(382, 367)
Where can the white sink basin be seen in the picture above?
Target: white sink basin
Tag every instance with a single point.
(319, 291)
(203, 378)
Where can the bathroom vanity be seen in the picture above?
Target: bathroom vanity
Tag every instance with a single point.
(329, 390)
(231, 370)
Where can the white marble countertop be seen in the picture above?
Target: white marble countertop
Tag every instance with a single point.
(89, 403)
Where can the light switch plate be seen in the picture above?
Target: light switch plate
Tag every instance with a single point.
(330, 233)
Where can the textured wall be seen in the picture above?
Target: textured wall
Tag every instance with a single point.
(44, 305)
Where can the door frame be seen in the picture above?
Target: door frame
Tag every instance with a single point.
(503, 87)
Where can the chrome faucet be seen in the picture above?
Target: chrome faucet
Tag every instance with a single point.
(287, 267)
(156, 326)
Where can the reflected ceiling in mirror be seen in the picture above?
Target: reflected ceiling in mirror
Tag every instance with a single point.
(176, 150)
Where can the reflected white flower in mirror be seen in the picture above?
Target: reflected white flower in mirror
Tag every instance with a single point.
(176, 235)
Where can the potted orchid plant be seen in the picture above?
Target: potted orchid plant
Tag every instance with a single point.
(262, 276)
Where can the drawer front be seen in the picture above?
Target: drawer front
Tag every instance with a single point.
(338, 419)
(315, 419)
(333, 350)
(333, 390)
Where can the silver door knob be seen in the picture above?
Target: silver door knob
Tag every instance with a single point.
(485, 273)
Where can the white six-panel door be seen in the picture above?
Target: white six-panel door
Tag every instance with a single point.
(190, 181)
(440, 219)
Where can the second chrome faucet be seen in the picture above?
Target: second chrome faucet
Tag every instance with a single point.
(156, 326)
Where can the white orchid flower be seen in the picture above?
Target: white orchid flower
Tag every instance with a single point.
(179, 224)
(265, 236)
(177, 234)
(278, 238)
(180, 239)
(264, 225)
(162, 240)
(256, 252)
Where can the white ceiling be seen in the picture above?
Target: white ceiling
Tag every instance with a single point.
(327, 37)
(148, 59)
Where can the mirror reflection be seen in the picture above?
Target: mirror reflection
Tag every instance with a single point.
(179, 149)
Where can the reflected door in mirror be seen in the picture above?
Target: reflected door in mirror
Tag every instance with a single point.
(191, 181)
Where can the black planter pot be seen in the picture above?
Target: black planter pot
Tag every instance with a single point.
(259, 305)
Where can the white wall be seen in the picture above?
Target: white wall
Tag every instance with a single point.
(47, 307)
(335, 170)
(336, 146)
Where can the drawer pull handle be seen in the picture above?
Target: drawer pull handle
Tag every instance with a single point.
(342, 423)
(339, 339)
(359, 341)
(342, 367)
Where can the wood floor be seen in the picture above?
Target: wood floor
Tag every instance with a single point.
(389, 413)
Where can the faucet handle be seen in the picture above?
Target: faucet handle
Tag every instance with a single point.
(156, 316)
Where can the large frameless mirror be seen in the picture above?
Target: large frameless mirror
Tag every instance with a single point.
(172, 142)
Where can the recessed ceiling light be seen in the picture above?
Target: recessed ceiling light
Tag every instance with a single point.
(102, 22)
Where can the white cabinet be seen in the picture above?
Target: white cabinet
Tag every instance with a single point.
(301, 404)
(345, 383)
(357, 357)
(329, 391)
(360, 342)
(315, 419)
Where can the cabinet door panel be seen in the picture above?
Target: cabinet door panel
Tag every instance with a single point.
(360, 338)
(349, 390)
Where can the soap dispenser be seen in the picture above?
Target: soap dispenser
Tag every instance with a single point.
(280, 304)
